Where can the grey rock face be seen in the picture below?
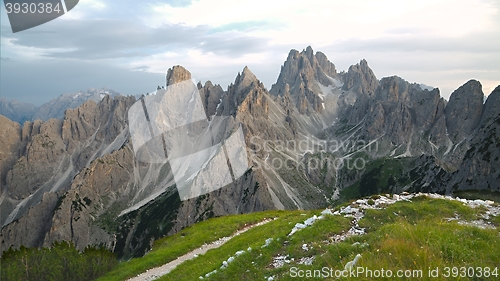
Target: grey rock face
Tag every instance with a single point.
(211, 96)
(177, 74)
(88, 156)
(326, 66)
(480, 168)
(359, 86)
(42, 155)
(30, 229)
(299, 77)
(360, 78)
(401, 116)
(78, 179)
(251, 104)
(77, 217)
(10, 142)
(463, 111)
(52, 154)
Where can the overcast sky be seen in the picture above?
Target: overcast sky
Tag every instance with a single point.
(128, 45)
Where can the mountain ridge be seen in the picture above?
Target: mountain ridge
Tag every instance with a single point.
(71, 179)
(21, 112)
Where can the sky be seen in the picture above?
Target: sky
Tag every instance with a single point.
(128, 45)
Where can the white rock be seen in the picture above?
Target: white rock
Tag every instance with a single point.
(268, 241)
(327, 212)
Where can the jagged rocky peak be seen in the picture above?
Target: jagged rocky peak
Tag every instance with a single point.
(463, 111)
(393, 89)
(302, 76)
(211, 95)
(177, 74)
(304, 68)
(491, 107)
(327, 66)
(480, 164)
(396, 89)
(360, 78)
(245, 79)
(245, 87)
(427, 106)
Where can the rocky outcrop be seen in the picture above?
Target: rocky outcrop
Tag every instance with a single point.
(463, 111)
(211, 95)
(250, 103)
(30, 229)
(177, 74)
(480, 168)
(299, 78)
(401, 116)
(43, 153)
(359, 86)
(360, 79)
(79, 217)
(78, 179)
(407, 109)
(52, 153)
(10, 143)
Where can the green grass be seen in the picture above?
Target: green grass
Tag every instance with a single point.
(255, 239)
(385, 175)
(169, 248)
(407, 235)
(415, 236)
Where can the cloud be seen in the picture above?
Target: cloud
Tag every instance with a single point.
(473, 43)
(141, 68)
(338, 19)
(110, 39)
(426, 41)
(39, 81)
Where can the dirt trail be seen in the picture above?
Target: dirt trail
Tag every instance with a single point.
(157, 272)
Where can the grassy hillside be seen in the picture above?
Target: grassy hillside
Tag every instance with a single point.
(417, 236)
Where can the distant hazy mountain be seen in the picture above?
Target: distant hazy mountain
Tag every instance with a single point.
(20, 112)
(56, 107)
(17, 111)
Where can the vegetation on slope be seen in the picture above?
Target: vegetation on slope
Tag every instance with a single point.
(60, 262)
(415, 237)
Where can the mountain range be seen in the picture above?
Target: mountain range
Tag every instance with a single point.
(316, 138)
(21, 111)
